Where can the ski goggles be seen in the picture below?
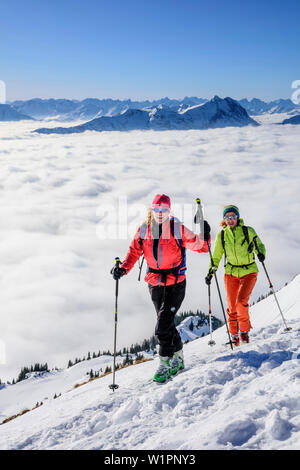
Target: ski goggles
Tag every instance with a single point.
(160, 209)
(230, 217)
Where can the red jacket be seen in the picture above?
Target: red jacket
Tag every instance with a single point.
(167, 252)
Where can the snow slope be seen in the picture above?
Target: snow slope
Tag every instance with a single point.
(40, 386)
(245, 399)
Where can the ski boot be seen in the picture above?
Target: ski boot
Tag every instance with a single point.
(235, 339)
(177, 362)
(163, 372)
(244, 337)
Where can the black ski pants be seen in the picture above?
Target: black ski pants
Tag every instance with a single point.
(167, 301)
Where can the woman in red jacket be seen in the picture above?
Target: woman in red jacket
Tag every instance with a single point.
(163, 240)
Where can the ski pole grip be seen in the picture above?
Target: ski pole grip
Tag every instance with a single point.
(118, 261)
(198, 216)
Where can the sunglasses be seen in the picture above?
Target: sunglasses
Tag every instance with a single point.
(230, 217)
(160, 209)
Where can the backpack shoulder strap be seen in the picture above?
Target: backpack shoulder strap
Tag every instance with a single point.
(253, 241)
(176, 234)
(247, 239)
(246, 234)
(175, 230)
(223, 239)
(223, 245)
(143, 231)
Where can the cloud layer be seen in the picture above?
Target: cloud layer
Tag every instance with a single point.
(57, 297)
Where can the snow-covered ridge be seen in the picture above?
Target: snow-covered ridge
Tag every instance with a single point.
(292, 120)
(242, 399)
(256, 107)
(8, 113)
(213, 114)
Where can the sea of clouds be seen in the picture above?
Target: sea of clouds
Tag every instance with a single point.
(58, 193)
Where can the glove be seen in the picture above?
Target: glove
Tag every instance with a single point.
(206, 231)
(261, 257)
(208, 279)
(118, 272)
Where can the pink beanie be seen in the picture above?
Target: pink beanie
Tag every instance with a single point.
(161, 200)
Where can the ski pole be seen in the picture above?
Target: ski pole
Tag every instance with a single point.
(287, 328)
(211, 342)
(198, 218)
(140, 268)
(114, 386)
(219, 292)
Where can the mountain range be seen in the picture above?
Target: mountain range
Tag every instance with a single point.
(65, 110)
(213, 114)
(257, 107)
(90, 108)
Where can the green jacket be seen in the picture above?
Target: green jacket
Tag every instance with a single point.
(236, 248)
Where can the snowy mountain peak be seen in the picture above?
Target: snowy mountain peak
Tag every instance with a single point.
(216, 99)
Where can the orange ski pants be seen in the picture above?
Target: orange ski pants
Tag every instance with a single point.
(238, 292)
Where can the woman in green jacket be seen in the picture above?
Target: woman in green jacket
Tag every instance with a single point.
(237, 242)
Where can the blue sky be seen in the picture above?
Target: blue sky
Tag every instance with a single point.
(147, 49)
